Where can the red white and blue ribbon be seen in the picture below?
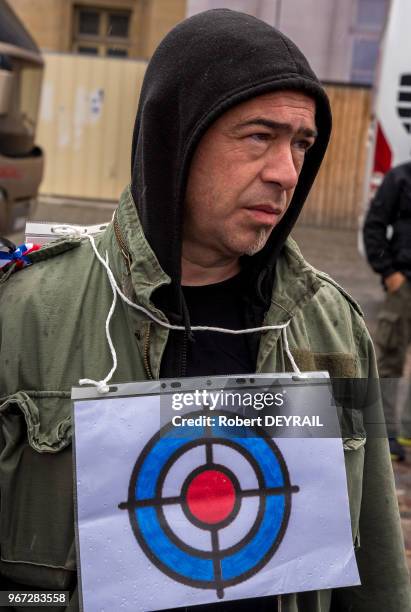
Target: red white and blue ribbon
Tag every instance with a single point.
(18, 255)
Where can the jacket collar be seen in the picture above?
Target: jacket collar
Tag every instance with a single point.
(142, 265)
(296, 282)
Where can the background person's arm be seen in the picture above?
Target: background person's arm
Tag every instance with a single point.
(381, 214)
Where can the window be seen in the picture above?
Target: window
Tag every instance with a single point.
(116, 52)
(87, 50)
(117, 25)
(371, 13)
(364, 60)
(101, 31)
(88, 22)
(367, 25)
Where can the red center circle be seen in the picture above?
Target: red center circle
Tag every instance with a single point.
(211, 496)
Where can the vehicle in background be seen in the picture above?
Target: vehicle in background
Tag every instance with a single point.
(21, 161)
(391, 129)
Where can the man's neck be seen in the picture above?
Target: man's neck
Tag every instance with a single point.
(207, 273)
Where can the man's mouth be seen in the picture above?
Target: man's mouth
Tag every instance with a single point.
(265, 213)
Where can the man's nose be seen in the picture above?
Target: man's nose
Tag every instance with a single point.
(280, 167)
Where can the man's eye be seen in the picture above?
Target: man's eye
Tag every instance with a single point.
(304, 144)
(260, 136)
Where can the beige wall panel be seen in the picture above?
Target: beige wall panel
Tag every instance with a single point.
(49, 122)
(99, 92)
(86, 121)
(80, 148)
(108, 159)
(66, 95)
(54, 129)
(130, 91)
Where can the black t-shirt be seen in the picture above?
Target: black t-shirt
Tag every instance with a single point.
(215, 353)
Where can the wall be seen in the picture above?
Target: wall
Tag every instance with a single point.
(48, 21)
(160, 16)
(86, 123)
(336, 199)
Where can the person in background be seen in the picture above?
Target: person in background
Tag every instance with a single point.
(390, 256)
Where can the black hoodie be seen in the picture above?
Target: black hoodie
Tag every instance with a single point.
(204, 66)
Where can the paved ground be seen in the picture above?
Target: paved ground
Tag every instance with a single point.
(334, 251)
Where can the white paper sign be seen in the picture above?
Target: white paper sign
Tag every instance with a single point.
(203, 514)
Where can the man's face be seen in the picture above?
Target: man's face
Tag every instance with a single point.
(244, 173)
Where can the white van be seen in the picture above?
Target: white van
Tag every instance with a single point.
(391, 131)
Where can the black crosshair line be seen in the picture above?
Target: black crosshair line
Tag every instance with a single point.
(215, 549)
(168, 501)
(215, 545)
(178, 499)
(208, 433)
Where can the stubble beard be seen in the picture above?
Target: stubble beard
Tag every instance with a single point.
(260, 241)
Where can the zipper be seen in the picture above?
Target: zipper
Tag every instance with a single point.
(184, 355)
(279, 603)
(123, 248)
(126, 256)
(146, 352)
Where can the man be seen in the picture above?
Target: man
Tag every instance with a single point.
(231, 129)
(391, 258)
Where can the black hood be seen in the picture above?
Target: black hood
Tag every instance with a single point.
(204, 66)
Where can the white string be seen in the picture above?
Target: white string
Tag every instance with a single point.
(67, 230)
(125, 299)
(102, 385)
(294, 366)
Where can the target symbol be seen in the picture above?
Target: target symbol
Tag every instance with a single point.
(211, 507)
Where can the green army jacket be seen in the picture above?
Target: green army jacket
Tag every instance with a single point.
(52, 331)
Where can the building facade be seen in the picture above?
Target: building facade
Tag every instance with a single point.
(113, 28)
(341, 38)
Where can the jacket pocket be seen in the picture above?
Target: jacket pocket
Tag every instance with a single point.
(36, 522)
(388, 330)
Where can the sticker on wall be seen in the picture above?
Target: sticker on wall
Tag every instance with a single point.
(96, 105)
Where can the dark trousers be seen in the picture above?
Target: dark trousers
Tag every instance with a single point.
(392, 341)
